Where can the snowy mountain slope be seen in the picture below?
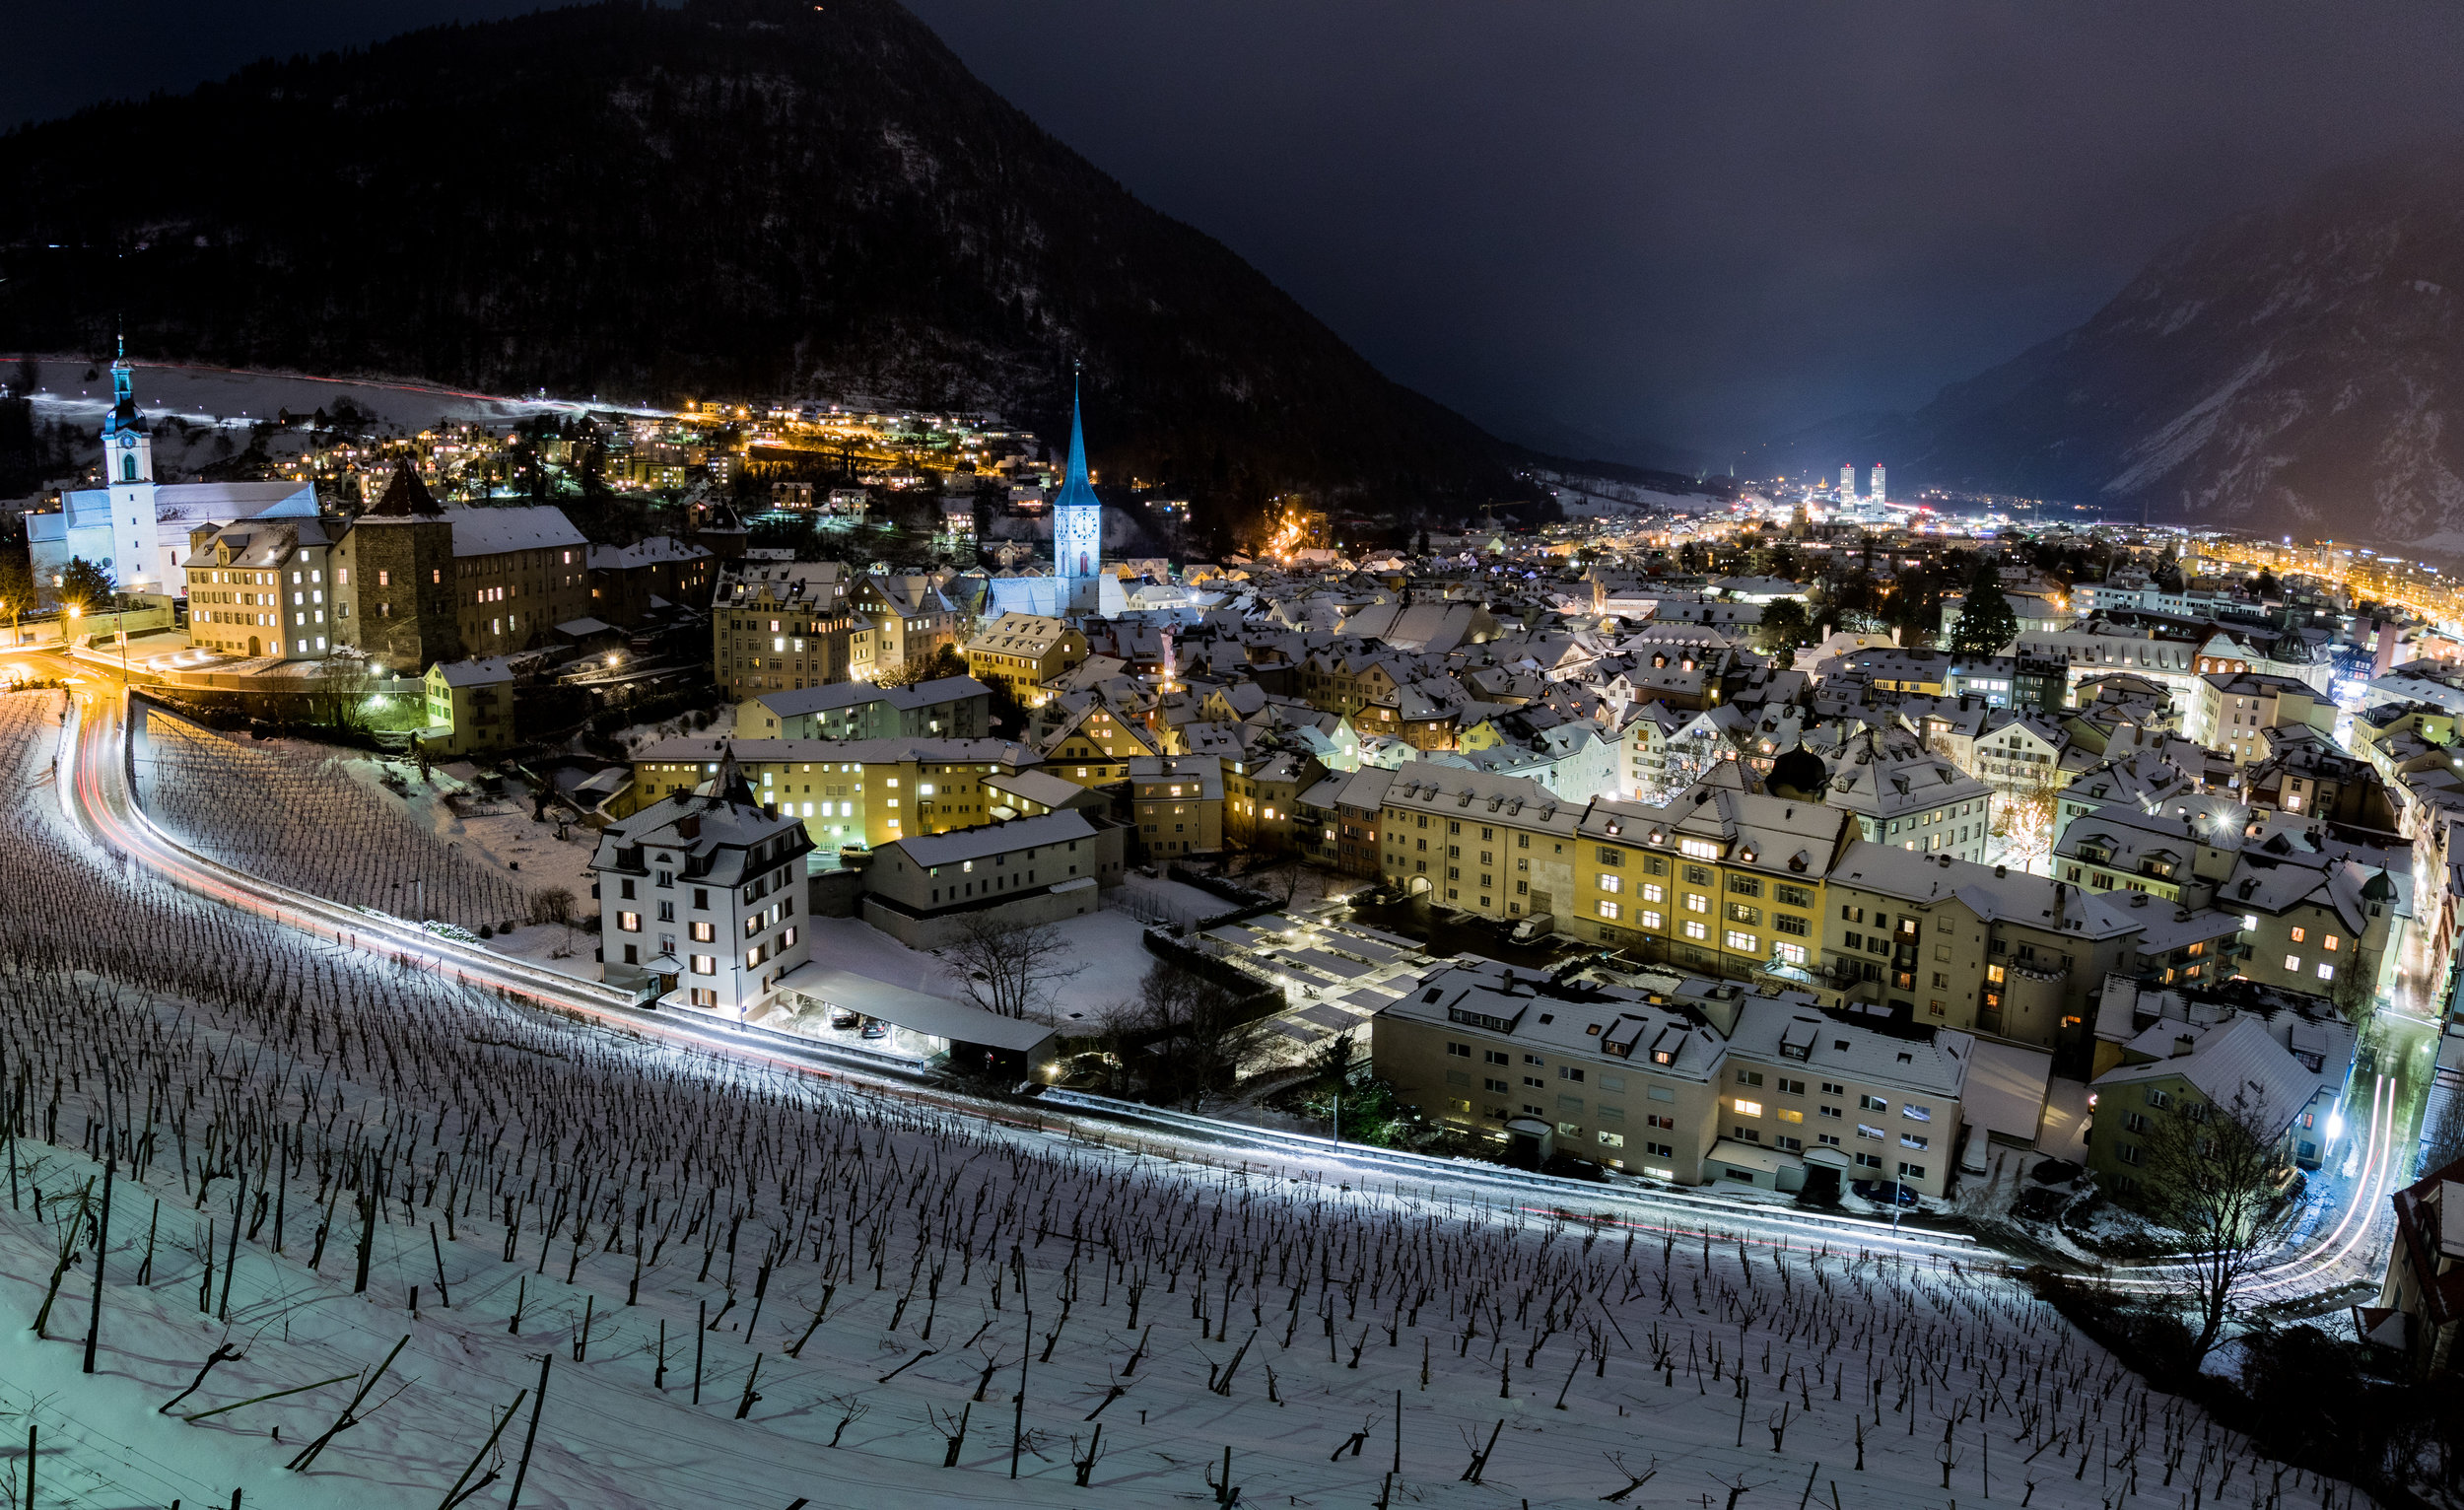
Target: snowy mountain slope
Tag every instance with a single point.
(388, 1159)
(2297, 368)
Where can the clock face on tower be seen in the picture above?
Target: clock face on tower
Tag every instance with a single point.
(127, 442)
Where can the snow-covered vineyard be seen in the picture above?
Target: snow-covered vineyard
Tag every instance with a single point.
(373, 1239)
(310, 826)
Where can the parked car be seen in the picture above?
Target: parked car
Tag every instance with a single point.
(1884, 1191)
(874, 1027)
(842, 1019)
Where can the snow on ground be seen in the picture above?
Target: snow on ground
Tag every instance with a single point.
(841, 1265)
(1105, 946)
(703, 723)
(297, 813)
(495, 832)
(209, 393)
(1155, 899)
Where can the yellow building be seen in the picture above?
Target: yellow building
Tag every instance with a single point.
(782, 625)
(1719, 881)
(1176, 805)
(1022, 652)
(848, 792)
(1499, 846)
(470, 705)
(1260, 793)
(1096, 744)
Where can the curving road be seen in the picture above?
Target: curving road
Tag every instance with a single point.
(94, 768)
(98, 795)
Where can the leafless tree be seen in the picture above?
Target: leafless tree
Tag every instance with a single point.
(2024, 818)
(1010, 969)
(2216, 1178)
(1193, 1034)
(554, 905)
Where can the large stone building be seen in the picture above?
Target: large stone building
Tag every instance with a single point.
(778, 624)
(410, 582)
(419, 582)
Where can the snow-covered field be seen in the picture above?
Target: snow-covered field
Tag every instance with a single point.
(749, 1287)
(296, 816)
(320, 819)
(205, 394)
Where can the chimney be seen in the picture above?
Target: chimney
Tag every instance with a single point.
(2183, 1043)
(689, 826)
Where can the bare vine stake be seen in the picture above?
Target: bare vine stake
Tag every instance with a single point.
(455, 1495)
(538, 1402)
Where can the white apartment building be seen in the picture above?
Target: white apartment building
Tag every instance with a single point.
(699, 898)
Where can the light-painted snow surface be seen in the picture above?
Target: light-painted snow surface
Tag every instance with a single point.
(953, 1296)
(205, 394)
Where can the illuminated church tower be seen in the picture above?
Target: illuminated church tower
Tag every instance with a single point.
(1077, 514)
(128, 473)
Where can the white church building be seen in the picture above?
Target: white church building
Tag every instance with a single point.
(1079, 583)
(132, 526)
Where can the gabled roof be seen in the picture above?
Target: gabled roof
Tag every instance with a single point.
(405, 497)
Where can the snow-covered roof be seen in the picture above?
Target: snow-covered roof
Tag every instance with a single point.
(987, 839)
(494, 531)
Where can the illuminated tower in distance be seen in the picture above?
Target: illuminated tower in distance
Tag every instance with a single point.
(1847, 481)
(1878, 495)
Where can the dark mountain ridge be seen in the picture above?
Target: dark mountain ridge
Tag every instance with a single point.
(2297, 367)
(734, 198)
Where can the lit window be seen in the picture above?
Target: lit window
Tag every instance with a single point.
(2331, 944)
(2293, 962)
(1748, 1108)
(1612, 883)
(1649, 920)
(1607, 909)
(1698, 849)
(2298, 934)
(1742, 942)
(1698, 929)
(2326, 972)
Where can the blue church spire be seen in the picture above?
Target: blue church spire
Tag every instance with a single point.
(124, 415)
(1076, 488)
(1077, 514)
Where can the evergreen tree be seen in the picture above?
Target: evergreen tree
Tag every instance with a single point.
(1784, 627)
(85, 585)
(1987, 622)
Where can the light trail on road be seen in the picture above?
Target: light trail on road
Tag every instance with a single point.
(97, 746)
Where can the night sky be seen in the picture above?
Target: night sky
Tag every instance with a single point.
(1651, 232)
